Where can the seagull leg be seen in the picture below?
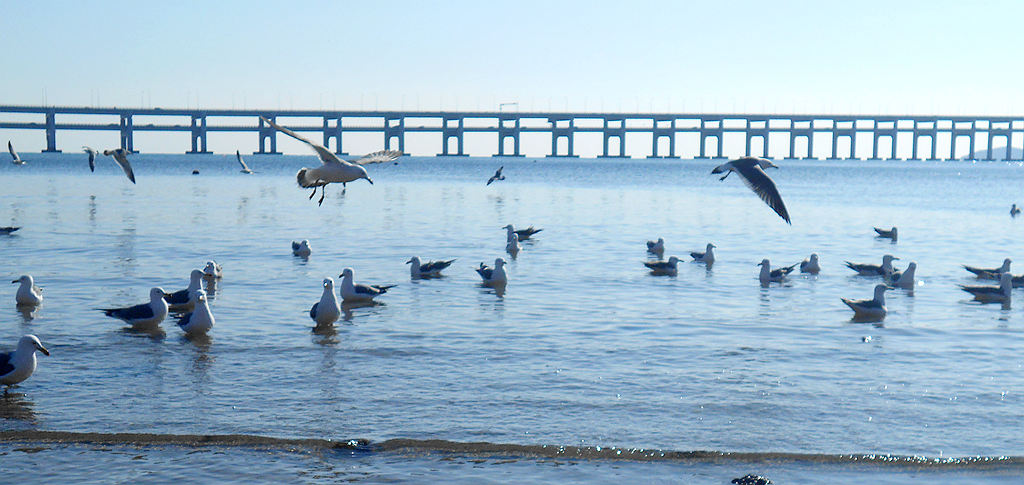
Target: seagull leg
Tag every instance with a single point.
(323, 193)
(314, 193)
(726, 175)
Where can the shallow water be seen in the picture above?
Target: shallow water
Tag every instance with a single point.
(584, 348)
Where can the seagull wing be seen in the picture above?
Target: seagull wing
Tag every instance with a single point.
(378, 157)
(121, 157)
(5, 363)
(326, 156)
(14, 154)
(92, 157)
(762, 185)
(245, 168)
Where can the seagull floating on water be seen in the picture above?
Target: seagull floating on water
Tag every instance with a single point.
(708, 256)
(751, 170)
(663, 267)
(494, 275)
(656, 247)
(145, 315)
(19, 365)
(333, 169)
(523, 234)
(185, 300)
(887, 234)
(512, 247)
(990, 273)
(245, 168)
(213, 271)
(301, 248)
(903, 279)
(326, 311)
(8, 229)
(497, 176)
(14, 155)
(121, 157)
(769, 275)
(429, 269)
(999, 293)
(28, 293)
(200, 320)
(93, 153)
(866, 269)
(351, 292)
(810, 265)
(873, 308)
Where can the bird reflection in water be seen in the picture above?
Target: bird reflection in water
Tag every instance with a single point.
(28, 312)
(15, 405)
(346, 308)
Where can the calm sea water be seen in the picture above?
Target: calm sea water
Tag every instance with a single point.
(585, 348)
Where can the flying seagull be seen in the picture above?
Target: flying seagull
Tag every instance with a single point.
(751, 170)
(245, 168)
(497, 176)
(14, 155)
(121, 157)
(334, 169)
(9, 229)
(93, 153)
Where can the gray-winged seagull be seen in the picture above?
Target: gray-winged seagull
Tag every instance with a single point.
(351, 292)
(751, 170)
(245, 168)
(866, 269)
(429, 269)
(121, 157)
(999, 293)
(19, 365)
(873, 308)
(28, 293)
(144, 315)
(326, 311)
(990, 273)
(497, 176)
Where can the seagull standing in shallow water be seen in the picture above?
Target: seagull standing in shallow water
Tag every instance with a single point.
(751, 170)
(212, 271)
(333, 169)
(513, 246)
(121, 157)
(351, 292)
(145, 315)
(873, 308)
(326, 311)
(200, 320)
(497, 176)
(28, 293)
(493, 276)
(19, 365)
(185, 300)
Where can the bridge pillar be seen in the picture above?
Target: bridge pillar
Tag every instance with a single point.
(449, 131)
(198, 134)
(127, 133)
(51, 132)
(557, 133)
(657, 133)
(714, 132)
(505, 131)
(333, 132)
(617, 131)
(797, 133)
(397, 130)
(267, 133)
(755, 133)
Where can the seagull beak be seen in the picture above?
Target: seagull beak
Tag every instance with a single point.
(368, 180)
(409, 261)
(15, 281)
(43, 350)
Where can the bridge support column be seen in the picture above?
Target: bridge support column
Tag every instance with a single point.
(618, 131)
(51, 132)
(449, 131)
(267, 133)
(198, 134)
(664, 132)
(333, 132)
(561, 132)
(127, 133)
(504, 132)
(397, 130)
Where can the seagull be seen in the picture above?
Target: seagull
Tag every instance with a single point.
(513, 246)
(494, 275)
(144, 315)
(889, 234)
(769, 275)
(351, 292)
(28, 293)
(872, 269)
(903, 279)
(200, 320)
(93, 153)
(121, 157)
(213, 271)
(751, 170)
(497, 176)
(656, 247)
(14, 155)
(8, 229)
(427, 270)
(708, 256)
(523, 234)
(810, 265)
(19, 365)
(873, 308)
(185, 300)
(301, 248)
(326, 311)
(663, 267)
(1014, 211)
(990, 273)
(992, 293)
(334, 169)
(245, 168)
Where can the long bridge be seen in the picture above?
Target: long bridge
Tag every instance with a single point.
(668, 135)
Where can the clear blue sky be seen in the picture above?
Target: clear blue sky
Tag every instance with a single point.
(745, 56)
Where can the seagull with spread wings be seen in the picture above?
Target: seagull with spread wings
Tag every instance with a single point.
(751, 170)
(14, 155)
(497, 175)
(121, 158)
(334, 169)
(93, 153)
(245, 168)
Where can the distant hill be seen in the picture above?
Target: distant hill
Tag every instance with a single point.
(997, 154)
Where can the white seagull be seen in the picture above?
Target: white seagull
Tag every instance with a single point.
(121, 157)
(351, 292)
(810, 265)
(14, 155)
(869, 309)
(903, 279)
(28, 293)
(334, 169)
(213, 271)
(145, 315)
(663, 267)
(497, 176)
(866, 269)
(495, 275)
(326, 311)
(999, 293)
(301, 248)
(429, 269)
(512, 247)
(708, 256)
(19, 365)
(93, 153)
(245, 168)
(200, 320)
(656, 247)
(769, 275)
(185, 300)
(751, 170)
(888, 234)
(990, 273)
(523, 234)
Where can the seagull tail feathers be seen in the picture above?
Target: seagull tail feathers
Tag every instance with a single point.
(303, 178)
